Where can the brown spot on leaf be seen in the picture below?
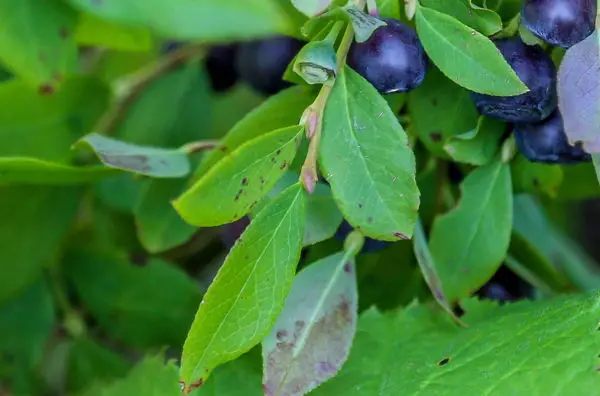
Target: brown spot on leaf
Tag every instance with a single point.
(238, 195)
(443, 362)
(400, 236)
(347, 268)
(262, 180)
(64, 32)
(283, 165)
(46, 89)
(278, 152)
(223, 149)
(245, 181)
(195, 386)
(360, 206)
(436, 136)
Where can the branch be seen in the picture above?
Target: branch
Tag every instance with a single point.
(128, 88)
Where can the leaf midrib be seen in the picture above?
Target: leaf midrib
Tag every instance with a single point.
(267, 245)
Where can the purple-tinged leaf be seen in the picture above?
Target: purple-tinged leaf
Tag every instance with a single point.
(579, 93)
(312, 337)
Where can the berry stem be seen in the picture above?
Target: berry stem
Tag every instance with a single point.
(312, 119)
(199, 146)
(372, 8)
(127, 89)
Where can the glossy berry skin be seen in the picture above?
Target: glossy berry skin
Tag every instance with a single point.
(370, 245)
(505, 286)
(262, 63)
(392, 59)
(220, 66)
(535, 68)
(559, 22)
(546, 142)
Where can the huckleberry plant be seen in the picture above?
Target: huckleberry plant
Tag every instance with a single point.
(289, 197)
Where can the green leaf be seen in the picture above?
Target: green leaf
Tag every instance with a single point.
(365, 158)
(323, 217)
(26, 324)
(45, 127)
(159, 226)
(241, 376)
(311, 7)
(414, 352)
(532, 177)
(120, 193)
(483, 20)
(559, 252)
(390, 278)
(34, 221)
(312, 337)
(171, 111)
(248, 293)
(25, 170)
(477, 147)
(148, 161)
(390, 9)
(281, 110)
(230, 189)
(466, 56)
(579, 182)
(36, 41)
(428, 268)
(96, 32)
(89, 362)
(151, 377)
(148, 306)
(469, 243)
(195, 20)
(439, 110)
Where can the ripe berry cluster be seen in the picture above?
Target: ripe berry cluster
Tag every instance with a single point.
(259, 63)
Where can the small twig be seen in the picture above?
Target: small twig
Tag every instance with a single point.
(129, 87)
(312, 118)
(199, 146)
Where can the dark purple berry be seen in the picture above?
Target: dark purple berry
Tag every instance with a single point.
(262, 63)
(535, 68)
(220, 66)
(370, 245)
(559, 22)
(504, 286)
(231, 232)
(392, 59)
(546, 142)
